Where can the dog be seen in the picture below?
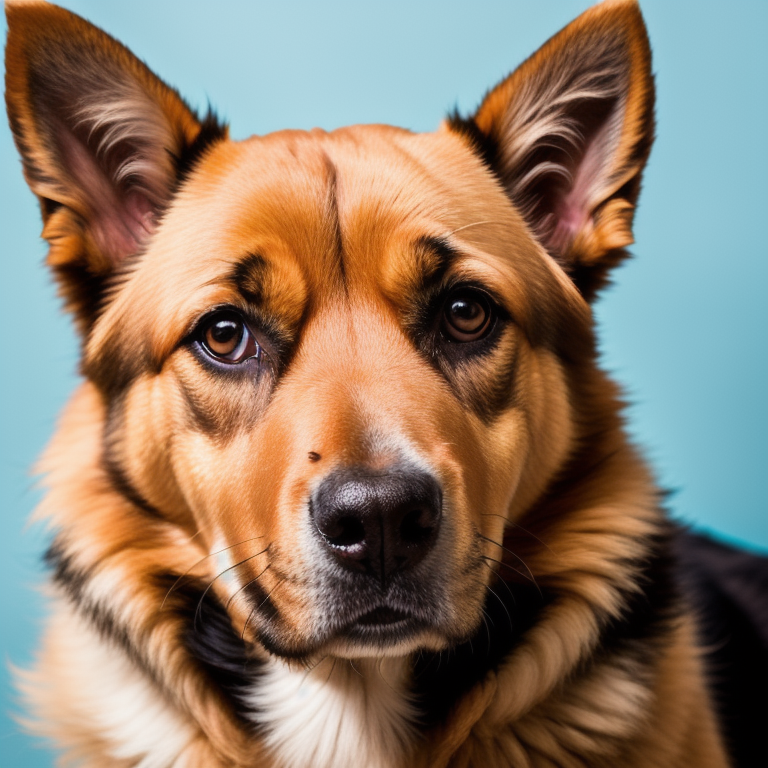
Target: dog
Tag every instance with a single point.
(344, 485)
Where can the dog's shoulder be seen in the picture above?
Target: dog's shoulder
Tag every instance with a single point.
(727, 590)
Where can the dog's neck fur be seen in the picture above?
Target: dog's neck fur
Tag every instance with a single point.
(338, 714)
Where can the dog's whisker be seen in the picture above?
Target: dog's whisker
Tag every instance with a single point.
(534, 536)
(379, 663)
(486, 619)
(530, 575)
(251, 581)
(311, 668)
(271, 591)
(352, 664)
(266, 597)
(201, 561)
(503, 605)
(246, 585)
(502, 564)
(330, 672)
(501, 581)
(513, 524)
(199, 532)
(198, 609)
(473, 224)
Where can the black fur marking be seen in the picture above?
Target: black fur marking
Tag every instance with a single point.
(512, 609)
(494, 390)
(208, 635)
(436, 256)
(487, 386)
(258, 597)
(212, 131)
(112, 465)
(248, 277)
(73, 580)
(264, 608)
(727, 590)
(120, 483)
(442, 679)
(115, 368)
(210, 639)
(201, 417)
(83, 290)
(650, 613)
(483, 145)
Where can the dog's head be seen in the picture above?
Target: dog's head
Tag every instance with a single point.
(334, 365)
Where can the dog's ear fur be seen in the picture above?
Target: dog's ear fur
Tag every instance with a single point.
(104, 144)
(568, 134)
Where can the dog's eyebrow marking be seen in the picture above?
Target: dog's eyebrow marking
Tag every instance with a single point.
(435, 256)
(249, 276)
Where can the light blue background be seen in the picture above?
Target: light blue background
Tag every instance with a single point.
(685, 327)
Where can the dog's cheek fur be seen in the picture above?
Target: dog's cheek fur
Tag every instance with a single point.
(111, 559)
(542, 423)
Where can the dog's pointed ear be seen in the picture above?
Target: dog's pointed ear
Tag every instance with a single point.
(569, 132)
(103, 141)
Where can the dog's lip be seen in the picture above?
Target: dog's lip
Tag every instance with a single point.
(382, 626)
(382, 616)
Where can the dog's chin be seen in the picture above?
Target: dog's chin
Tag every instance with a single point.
(379, 633)
(384, 633)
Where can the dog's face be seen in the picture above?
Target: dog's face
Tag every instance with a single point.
(336, 365)
(328, 343)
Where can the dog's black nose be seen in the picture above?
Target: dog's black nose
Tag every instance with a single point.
(378, 522)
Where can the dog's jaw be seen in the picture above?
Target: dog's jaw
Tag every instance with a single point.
(337, 714)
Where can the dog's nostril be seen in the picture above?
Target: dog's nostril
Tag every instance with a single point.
(416, 526)
(345, 532)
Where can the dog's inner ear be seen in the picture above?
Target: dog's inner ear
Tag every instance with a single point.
(115, 150)
(568, 134)
(102, 140)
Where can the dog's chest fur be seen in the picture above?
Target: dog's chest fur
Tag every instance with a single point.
(338, 714)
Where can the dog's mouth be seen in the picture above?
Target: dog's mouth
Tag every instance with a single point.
(383, 617)
(383, 627)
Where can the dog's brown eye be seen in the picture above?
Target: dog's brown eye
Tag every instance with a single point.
(226, 337)
(466, 316)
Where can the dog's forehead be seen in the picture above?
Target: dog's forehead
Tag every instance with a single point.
(312, 197)
(322, 212)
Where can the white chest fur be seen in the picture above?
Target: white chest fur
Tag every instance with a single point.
(340, 714)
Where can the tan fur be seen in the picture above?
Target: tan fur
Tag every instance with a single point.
(165, 473)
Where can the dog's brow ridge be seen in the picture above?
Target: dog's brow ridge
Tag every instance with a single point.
(436, 256)
(248, 277)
